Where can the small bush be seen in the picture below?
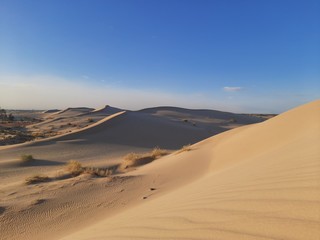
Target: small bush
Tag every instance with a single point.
(158, 152)
(36, 179)
(134, 159)
(26, 158)
(185, 148)
(98, 172)
(74, 168)
(90, 120)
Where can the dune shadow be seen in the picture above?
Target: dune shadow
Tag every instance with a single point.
(40, 162)
(2, 209)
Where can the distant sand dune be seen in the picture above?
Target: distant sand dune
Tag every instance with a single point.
(115, 134)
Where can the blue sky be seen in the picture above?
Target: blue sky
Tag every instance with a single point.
(242, 56)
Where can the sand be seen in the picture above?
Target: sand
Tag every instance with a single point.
(258, 181)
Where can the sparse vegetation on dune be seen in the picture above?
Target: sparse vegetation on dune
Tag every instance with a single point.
(99, 172)
(158, 152)
(37, 179)
(134, 159)
(26, 158)
(185, 148)
(75, 168)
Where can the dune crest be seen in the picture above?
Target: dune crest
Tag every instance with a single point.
(263, 183)
(257, 181)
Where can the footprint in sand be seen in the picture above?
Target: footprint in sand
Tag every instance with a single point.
(2, 209)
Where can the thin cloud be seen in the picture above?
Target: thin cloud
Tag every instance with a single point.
(232, 89)
(45, 92)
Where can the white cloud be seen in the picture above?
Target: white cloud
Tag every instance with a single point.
(232, 89)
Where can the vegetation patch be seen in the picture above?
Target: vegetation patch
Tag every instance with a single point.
(185, 148)
(26, 158)
(135, 160)
(37, 179)
(75, 168)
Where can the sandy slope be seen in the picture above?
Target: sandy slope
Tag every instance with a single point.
(123, 133)
(255, 182)
(60, 207)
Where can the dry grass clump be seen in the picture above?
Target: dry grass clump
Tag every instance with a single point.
(26, 158)
(36, 179)
(158, 152)
(75, 169)
(98, 172)
(185, 148)
(134, 159)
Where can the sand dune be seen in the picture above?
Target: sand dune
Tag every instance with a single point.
(107, 110)
(51, 111)
(258, 181)
(263, 183)
(131, 131)
(73, 111)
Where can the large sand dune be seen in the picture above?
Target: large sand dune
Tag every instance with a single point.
(117, 132)
(254, 182)
(262, 182)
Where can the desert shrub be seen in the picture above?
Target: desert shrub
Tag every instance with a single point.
(134, 159)
(74, 168)
(36, 179)
(98, 172)
(158, 152)
(26, 158)
(185, 148)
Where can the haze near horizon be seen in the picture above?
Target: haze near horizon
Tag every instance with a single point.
(247, 56)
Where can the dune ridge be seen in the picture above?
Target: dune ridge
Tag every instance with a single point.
(258, 181)
(267, 188)
(122, 133)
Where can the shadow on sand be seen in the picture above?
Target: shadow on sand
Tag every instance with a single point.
(40, 162)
